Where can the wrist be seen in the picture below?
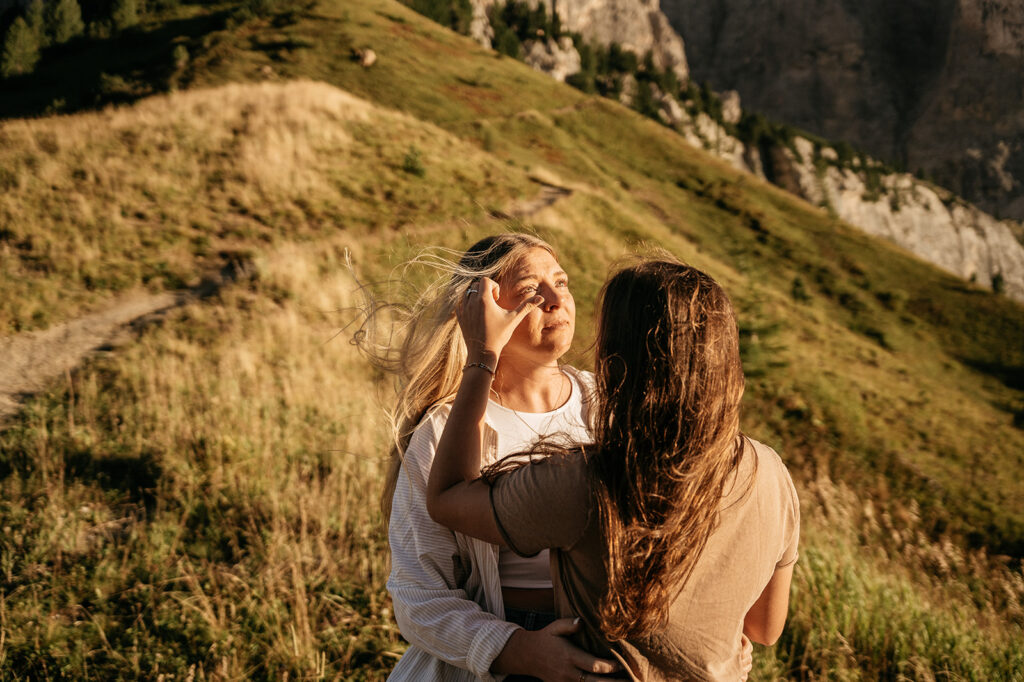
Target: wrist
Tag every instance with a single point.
(512, 658)
(486, 357)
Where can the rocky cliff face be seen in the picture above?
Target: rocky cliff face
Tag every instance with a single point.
(636, 25)
(926, 220)
(935, 84)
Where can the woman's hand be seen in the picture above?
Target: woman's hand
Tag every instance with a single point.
(486, 326)
(549, 655)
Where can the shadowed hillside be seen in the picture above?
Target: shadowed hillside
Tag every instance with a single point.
(203, 499)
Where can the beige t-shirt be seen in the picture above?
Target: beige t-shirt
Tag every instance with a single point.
(549, 504)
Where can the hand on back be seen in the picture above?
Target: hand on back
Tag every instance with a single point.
(549, 655)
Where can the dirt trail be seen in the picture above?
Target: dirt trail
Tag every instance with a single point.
(31, 361)
(523, 208)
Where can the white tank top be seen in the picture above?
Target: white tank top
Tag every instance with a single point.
(517, 431)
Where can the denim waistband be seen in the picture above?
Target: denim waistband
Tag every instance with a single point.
(529, 620)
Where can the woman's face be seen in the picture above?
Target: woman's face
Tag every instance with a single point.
(546, 332)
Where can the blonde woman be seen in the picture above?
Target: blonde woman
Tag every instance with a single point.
(454, 596)
(673, 535)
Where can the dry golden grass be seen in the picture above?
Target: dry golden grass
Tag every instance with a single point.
(266, 433)
(157, 193)
(203, 502)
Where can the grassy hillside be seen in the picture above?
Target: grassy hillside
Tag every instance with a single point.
(202, 501)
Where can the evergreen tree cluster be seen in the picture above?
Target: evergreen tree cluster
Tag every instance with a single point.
(54, 22)
(515, 22)
(604, 70)
(455, 14)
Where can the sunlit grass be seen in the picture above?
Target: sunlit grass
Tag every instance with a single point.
(203, 501)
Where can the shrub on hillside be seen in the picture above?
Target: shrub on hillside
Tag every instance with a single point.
(753, 128)
(760, 349)
(585, 78)
(507, 43)
(702, 99)
(125, 14)
(998, 283)
(455, 14)
(35, 16)
(65, 20)
(413, 163)
(619, 60)
(712, 104)
(526, 22)
(799, 290)
(845, 154)
(644, 101)
(20, 51)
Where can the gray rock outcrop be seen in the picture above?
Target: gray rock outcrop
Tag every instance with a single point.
(935, 84)
(636, 25)
(926, 220)
(557, 58)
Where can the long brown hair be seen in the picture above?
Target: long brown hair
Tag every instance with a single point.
(666, 432)
(421, 343)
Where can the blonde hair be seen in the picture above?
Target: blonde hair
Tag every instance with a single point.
(421, 343)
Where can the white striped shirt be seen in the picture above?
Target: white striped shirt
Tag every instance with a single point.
(444, 585)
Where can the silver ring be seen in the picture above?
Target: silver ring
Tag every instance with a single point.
(471, 291)
(583, 677)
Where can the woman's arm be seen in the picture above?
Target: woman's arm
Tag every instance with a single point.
(455, 496)
(438, 616)
(766, 618)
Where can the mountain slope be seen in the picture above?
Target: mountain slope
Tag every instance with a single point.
(212, 484)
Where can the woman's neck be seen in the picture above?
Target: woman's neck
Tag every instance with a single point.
(528, 387)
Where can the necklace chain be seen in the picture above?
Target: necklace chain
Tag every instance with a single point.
(558, 401)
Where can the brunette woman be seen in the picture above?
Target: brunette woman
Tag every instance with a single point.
(673, 536)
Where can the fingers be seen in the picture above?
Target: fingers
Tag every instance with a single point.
(563, 626)
(489, 286)
(474, 291)
(524, 308)
(592, 664)
(601, 666)
(580, 659)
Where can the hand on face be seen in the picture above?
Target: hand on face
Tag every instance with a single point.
(538, 334)
(486, 326)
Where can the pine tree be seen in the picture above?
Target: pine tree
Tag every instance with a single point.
(36, 17)
(21, 50)
(65, 21)
(125, 14)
